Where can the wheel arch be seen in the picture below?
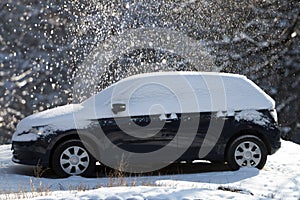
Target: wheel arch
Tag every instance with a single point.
(70, 135)
(244, 132)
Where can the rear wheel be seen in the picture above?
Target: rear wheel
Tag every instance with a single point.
(247, 151)
(72, 158)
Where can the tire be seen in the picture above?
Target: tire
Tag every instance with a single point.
(71, 158)
(247, 151)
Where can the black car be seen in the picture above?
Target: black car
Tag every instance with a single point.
(148, 121)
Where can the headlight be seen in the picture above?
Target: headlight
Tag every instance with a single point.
(31, 135)
(39, 130)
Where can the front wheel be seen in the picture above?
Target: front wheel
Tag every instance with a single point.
(247, 151)
(72, 158)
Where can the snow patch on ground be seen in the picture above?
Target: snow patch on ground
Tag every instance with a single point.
(280, 179)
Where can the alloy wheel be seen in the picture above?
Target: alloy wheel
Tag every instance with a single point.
(74, 160)
(247, 154)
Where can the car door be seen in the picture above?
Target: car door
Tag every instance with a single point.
(141, 134)
(194, 125)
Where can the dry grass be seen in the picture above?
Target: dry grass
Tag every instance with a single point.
(37, 189)
(39, 171)
(113, 178)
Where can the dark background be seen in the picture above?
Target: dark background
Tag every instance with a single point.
(43, 43)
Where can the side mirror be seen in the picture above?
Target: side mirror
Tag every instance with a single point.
(118, 107)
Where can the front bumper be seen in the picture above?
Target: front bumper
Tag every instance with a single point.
(30, 153)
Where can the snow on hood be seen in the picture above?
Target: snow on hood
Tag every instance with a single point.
(59, 118)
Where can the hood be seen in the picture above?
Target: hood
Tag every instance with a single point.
(59, 118)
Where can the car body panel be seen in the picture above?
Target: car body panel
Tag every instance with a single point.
(39, 152)
(157, 109)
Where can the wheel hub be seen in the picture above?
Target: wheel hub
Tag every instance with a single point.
(74, 160)
(248, 155)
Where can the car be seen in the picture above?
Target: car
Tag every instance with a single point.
(148, 121)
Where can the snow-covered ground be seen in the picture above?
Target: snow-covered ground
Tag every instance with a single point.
(280, 179)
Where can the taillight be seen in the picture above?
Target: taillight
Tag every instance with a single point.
(274, 115)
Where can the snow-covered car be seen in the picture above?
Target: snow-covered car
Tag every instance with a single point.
(181, 116)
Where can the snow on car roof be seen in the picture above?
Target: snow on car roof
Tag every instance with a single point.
(183, 73)
(177, 92)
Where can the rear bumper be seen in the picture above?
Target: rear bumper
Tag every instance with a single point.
(275, 139)
(276, 145)
(30, 153)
